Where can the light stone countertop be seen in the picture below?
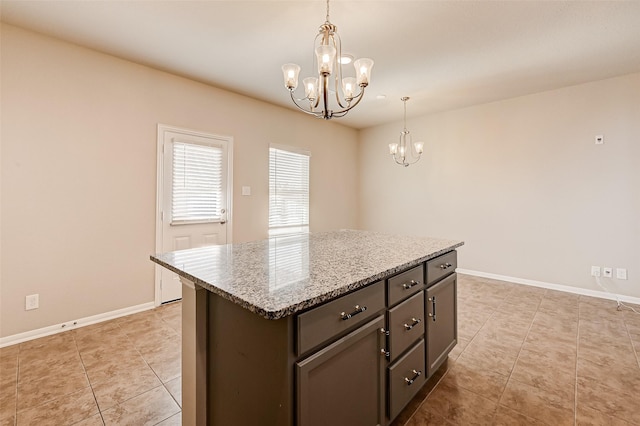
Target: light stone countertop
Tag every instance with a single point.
(280, 276)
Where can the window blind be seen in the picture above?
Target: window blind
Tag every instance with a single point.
(288, 192)
(196, 183)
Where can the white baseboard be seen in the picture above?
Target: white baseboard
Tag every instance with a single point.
(551, 286)
(70, 325)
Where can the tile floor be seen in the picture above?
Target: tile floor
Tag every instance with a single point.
(124, 371)
(526, 356)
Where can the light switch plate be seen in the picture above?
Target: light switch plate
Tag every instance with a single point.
(246, 190)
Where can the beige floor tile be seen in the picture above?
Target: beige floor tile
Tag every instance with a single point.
(95, 420)
(148, 408)
(167, 367)
(37, 392)
(175, 420)
(488, 358)
(142, 320)
(469, 376)
(175, 389)
(540, 404)
(53, 369)
(9, 351)
(56, 352)
(48, 342)
(623, 378)
(8, 399)
(8, 421)
(99, 336)
(499, 339)
(542, 335)
(546, 371)
(124, 386)
(507, 417)
(563, 353)
(145, 340)
(607, 354)
(589, 417)
(459, 406)
(458, 348)
(8, 375)
(104, 363)
(425, 418)
(68, 409)
(609, 401)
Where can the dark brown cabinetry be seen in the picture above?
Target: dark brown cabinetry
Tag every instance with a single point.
(442, 324)
(355, 360)
(343, 384)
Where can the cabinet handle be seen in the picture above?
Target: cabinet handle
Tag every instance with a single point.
(433, 308)
(384, 353)
(410, 381)
(416, 321)
(345, 316)
(445, 265)
(410, 284)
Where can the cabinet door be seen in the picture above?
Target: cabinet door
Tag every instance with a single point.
(442, 325)
(343, 384)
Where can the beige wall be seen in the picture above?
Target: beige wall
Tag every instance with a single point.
(79, 173)
(522, 183)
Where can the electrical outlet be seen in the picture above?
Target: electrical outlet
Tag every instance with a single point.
(595, 271)
(32, 302)
(599, 139)
(607, 272)
(621, 273)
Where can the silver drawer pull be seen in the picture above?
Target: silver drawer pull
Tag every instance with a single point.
(416, 321)
(445, 265)
(345, 316)
(410, 381)
(410, 284)
(384, 353)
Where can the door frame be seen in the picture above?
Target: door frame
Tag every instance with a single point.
(161, 129)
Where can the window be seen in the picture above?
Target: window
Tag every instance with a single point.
(288, 191)
(196, 184)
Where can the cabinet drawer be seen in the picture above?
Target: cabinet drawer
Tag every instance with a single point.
(406, 377)
(406, 324)
(405, 284)
(441, 266)
(324, 322)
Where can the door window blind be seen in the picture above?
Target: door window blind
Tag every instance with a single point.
(288, 192)
(196, 183)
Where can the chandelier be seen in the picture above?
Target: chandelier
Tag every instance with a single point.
(317, 90)
(405, 152)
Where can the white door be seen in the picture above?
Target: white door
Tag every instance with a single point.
(194, 179)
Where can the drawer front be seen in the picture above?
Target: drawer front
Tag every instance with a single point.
(336, 317)
(441, 266)
(406, 324)
(405, 284)
(406, 377)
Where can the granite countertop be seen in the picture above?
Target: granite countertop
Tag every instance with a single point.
(284, 275)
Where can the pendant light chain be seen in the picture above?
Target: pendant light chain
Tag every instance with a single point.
(327, 10)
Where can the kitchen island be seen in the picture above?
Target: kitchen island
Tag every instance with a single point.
(339, 327)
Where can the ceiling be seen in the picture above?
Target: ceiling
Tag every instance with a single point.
(443, 54)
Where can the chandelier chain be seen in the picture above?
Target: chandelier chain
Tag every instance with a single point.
(327, 10)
